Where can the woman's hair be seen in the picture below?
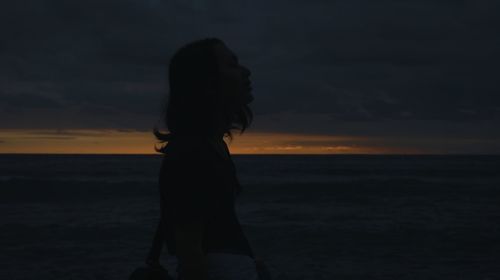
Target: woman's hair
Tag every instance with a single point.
(191, 109)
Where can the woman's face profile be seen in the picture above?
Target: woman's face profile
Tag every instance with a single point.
(234, 82)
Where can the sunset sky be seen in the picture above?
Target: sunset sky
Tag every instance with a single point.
(329, 77)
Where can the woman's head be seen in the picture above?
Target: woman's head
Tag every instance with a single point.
(209, 92)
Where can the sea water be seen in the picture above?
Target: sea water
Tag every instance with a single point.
(308, 217)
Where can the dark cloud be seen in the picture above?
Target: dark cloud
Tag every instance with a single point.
(102, 63)
(28, 101)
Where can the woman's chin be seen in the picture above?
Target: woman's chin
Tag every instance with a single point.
(248, 98)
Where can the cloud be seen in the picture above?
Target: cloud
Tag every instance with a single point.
(102, 63)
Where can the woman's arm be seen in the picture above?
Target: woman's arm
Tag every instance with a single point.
(154, 253)
(188, 244)
(262, 269)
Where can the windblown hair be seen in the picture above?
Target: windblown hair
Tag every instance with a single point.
(191, 109)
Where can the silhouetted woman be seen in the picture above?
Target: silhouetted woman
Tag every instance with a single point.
(209, 96)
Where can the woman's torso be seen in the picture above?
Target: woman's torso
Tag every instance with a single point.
(197, 182)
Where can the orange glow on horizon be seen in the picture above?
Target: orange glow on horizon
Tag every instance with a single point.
(107, 141)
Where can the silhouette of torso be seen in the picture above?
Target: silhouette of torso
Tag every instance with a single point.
(197, 183)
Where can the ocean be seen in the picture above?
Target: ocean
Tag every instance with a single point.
(307, 217)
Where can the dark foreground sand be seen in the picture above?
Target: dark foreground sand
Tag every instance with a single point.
(361, 229)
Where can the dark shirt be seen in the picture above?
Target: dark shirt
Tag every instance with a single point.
(198, 184)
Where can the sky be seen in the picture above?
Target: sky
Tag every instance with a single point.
(351, 76)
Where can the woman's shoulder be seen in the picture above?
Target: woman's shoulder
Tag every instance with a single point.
(189, 151)
(192, 165)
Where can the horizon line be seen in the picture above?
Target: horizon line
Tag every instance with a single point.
(264, 154)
